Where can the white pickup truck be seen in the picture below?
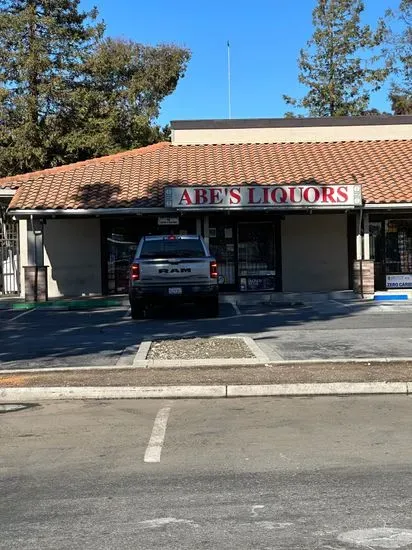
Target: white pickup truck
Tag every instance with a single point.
(173, 268)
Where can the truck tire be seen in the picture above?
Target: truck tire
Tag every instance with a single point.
(137, 311)
(212, 307)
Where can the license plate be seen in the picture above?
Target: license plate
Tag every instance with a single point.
(175, 290)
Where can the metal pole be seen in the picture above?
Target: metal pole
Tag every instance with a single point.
(228, 80)
(361, 250)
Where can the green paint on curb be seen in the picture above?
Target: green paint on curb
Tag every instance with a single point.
(66, 304)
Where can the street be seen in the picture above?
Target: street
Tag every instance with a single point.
(329, 330)
(269, 473)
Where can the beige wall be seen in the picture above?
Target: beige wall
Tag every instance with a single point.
(292, 135)
(72, 252)
(314, 253)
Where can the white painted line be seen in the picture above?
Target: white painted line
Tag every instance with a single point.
(255, 349)
(142, 352)
(21, 315)
(127, 314)
(341, 304)
(235, 307)
(154, 448)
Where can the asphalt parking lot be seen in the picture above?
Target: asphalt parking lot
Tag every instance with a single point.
(109, 337)
(293, 474)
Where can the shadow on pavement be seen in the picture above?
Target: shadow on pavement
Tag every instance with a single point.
(99, 337)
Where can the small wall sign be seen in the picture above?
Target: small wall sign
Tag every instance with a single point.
(399, 281)
(168, 220)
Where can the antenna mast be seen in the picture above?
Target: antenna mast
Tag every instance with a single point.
(228, 80)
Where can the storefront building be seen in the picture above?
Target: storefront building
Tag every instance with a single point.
(286, 205)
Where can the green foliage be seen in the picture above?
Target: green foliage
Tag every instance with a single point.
(68, 94)
(399, 54)
(120, 97)
(339, 66)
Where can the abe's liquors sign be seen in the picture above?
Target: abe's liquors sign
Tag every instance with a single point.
(263, 196)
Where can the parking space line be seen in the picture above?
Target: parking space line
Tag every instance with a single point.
(235, 307)
(154, 448)
(21, 315)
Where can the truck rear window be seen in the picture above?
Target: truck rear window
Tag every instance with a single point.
(179, 248)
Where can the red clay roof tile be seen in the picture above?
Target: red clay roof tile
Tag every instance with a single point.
(137, 178)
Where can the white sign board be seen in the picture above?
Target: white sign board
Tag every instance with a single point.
(399, 281)
(263, 196)
(168, 220)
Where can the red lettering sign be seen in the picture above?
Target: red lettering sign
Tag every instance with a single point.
(279, 195)
(185, 197)
(215, 196)
(342, 193)
(252, 197)
(200, 196)
(295, 194)
(311, 195)
(263, 196)
(328, 195)
(234, 196)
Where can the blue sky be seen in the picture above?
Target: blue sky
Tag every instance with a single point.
(265, 38)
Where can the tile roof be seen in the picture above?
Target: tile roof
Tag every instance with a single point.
(9, 185)
(137, 178)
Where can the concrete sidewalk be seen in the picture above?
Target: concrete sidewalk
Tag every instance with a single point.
(287, 379)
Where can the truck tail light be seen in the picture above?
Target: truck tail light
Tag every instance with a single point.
(135, 272)
(213, 270)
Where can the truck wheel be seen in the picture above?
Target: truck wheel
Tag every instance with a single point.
(213, 307)
(137, 311)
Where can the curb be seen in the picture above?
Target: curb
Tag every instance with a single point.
(175, 392)
(64, 305)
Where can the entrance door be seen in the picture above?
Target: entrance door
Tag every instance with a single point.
(222, 247)
(256, 256)
(9, 253)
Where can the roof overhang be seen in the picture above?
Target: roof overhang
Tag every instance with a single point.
(100, 212)
(7, 193)
(389, 206)
(78, 212)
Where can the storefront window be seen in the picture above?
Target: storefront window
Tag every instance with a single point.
(121, 239)
(245, 253)
(398, 252)
(120, 255)
(222, 247)
(256, 256)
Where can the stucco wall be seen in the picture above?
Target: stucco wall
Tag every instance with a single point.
(72, 252)
(291, 135)
(315, 253)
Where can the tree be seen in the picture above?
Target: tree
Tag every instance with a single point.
(339, 66)
(399, 50)
(124, 85)
(43, 45)
(68, 94)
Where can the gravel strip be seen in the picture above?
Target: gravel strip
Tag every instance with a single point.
(200, 348)
(260, 374)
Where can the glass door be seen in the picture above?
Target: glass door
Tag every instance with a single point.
(256, 256)
(222, 247)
